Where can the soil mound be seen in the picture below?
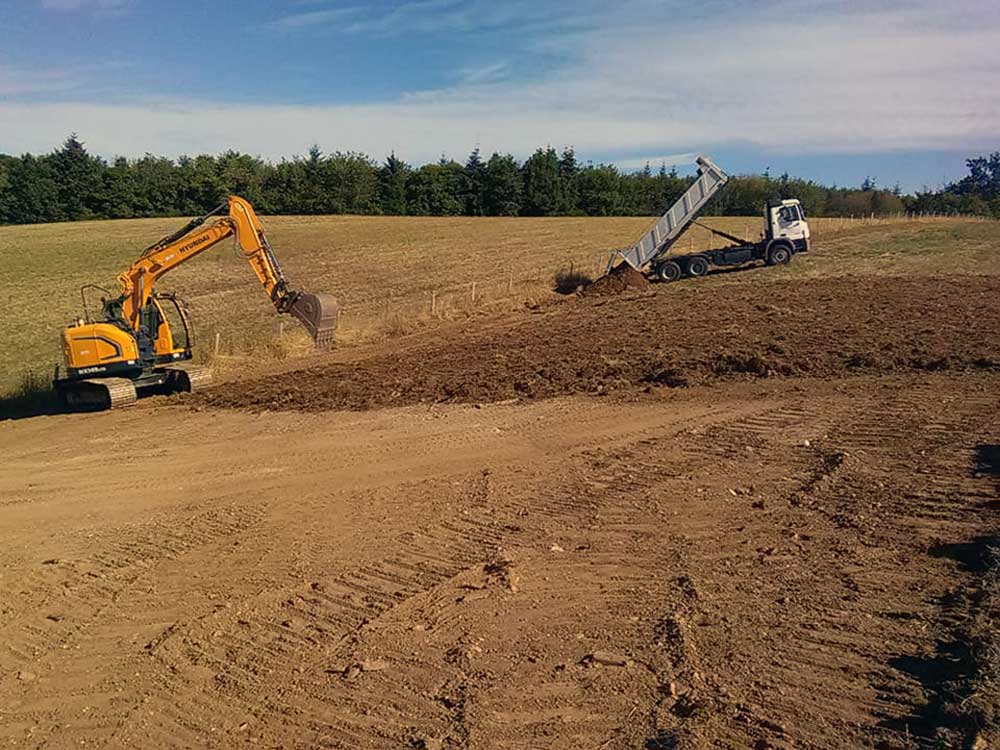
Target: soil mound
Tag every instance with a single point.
(675, 337)
(620, 279)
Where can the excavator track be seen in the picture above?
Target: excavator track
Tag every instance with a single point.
(189, 379)
(98, 394)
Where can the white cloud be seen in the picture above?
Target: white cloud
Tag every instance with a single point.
(455, 16)
(316, 18)
(655, 162)
(489, 73)
(22, 82)
(791, 77)
(84, 4)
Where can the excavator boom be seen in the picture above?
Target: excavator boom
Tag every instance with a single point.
(316, 312)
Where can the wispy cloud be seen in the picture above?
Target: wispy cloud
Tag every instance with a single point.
(445, 16)
(84, 4)
(314, 18)
(490, 73)
(26, 82)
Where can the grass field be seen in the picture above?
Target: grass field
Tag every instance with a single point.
(385, 270)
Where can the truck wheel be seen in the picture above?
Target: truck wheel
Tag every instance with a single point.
(779, 255)
(669, 271)
(697, 266)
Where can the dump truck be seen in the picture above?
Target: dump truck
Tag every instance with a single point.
(786, 233)
(132, 349)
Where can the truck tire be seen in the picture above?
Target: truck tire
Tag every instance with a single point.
(669, 271)
(697, 266)
(779, 255)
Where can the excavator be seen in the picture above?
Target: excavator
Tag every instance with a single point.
(133, 351)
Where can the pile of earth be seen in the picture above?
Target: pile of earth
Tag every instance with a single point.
(620, 279)
(673, 335)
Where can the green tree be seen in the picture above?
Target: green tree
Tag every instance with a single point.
(79, 180)
(284, 187)
(542, 188)
(670, 186)
(435, 190)
(242, 175)
(473, 184)
(156, 189)
(600, 190)
(641, 194)
(7, 164)
(350, 182)
(568, 171)
(502, 186)
(392, 179)
(119, 190)
(33, 195)
(200, 185)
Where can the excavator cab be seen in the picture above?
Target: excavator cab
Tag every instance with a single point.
(173, 339)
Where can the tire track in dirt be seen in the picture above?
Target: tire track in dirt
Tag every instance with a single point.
(751, 562)
(841, 655)
(609, 500)
(268, 657)
(308, 627)
(40, 637)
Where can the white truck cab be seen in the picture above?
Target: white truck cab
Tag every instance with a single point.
(785, 220)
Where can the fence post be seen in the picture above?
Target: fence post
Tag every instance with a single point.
(218, 340)
(473, 291)
(434, 299)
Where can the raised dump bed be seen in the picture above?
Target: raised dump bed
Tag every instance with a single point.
(672, 224)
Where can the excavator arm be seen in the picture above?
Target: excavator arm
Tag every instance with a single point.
(318, 313)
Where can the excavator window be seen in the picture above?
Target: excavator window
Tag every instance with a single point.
(169, 306)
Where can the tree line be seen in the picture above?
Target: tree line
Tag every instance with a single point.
(71, 184)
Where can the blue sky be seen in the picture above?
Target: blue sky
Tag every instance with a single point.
(834, 91)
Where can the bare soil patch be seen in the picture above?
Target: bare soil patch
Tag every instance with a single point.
(696, 571)
(684, 335)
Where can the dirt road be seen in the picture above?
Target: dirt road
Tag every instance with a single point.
(754, 564)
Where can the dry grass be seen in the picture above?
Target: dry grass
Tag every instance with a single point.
(568, 280)
(387, 271)
(31, 395)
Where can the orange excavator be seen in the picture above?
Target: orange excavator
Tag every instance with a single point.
(133, 351)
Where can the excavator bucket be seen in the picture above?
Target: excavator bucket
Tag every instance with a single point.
(318, 313)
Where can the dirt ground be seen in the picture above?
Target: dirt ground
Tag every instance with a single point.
(676, 519)
(670, 335)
